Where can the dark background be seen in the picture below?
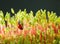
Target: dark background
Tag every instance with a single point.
(34, 5)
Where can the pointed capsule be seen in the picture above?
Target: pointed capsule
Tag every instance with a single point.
(12, 10)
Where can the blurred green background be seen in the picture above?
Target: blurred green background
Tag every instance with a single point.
(34, 5)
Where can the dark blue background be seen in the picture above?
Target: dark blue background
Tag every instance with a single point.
(34, 5)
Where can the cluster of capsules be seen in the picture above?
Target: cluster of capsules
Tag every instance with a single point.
(26, 28)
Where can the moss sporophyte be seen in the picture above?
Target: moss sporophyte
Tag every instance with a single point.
(25, 28)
